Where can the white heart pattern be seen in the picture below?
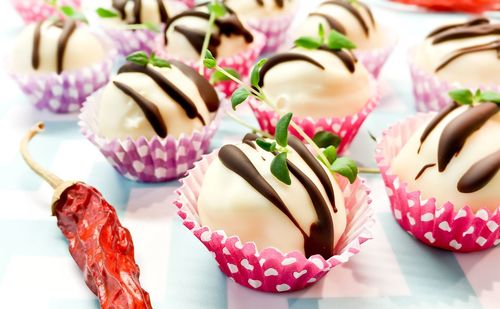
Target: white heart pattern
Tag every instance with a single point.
(427, 217)
(317, 262)
(254, 283)
(497, 242)
(410, 219)
(288, 261)
(439, 212)
(299, 274)
(461, 213)
(481, 241)
(205, 236)
(429, 237)
(445, 226)
(246, 264)
(469, 231)
(270, 272)
(282, 287)
(492, 226)
(482, 214)
(312, 280)
(454, 244)
(226, 251)
(232, 268)
(397, 214)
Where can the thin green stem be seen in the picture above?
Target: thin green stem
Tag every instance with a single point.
(239, 82)
(368, 170)
(206, 41)
(245, 124)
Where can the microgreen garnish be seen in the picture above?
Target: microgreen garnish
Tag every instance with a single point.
(105, 13)
(282, 130)
(279, 168)
(466, 97)
(336, 40)
(255, 74)
(325, 139)
(209, 61)
(267, 146)
(331, 154)
(216, 10)
(309, 42)
(345, 167)
(239, 96)
(218, 77)
(70, 12)
(141, 58)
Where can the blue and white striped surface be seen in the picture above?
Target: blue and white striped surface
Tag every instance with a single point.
(36, 270)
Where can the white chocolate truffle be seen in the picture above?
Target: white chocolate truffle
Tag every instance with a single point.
(317, 83)
(185, 34)
(465, 53)
(260, 8)
(142, 11)
(50, 46)
(457, 183)
(355, 21)
(244, 207)
(150, 101)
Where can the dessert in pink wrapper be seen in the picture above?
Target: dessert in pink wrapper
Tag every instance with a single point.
(153, 120)
(51, 68)
(462, 55)
(39, 10)
(441, 175)
(251, 232)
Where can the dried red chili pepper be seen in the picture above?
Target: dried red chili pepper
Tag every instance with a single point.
(99, 244)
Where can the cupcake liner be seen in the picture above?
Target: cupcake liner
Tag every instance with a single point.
(38, 10)
(65, 92)
(346, 127)
(431, 92)
(271, 270)
(441, 227)
(374, 60)
(241, 62)
(129, 41)
(188, 3)
(147, 160)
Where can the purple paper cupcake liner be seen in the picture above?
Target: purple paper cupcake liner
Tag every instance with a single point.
(129, 41)
(38, 10)
(147, 160)
(374, 60)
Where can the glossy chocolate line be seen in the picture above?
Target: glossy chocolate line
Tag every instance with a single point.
(495, 45)
(282, 58)
(332, 22)
(422, 171)
(480, 174)
(249, 139)
(68, 29)
(196, 39)
(236, 160)
(455, 134)
(472, 22)
(348, 58)
(168, 87)
(150, 110)
(35, 53)
(315, 166)
(468, 32)
(232, 25)
(197, 14)
(137, 11)
(119, 5)
(205, 89)
(279, 3)
(370, 14)
(352, 10)
(435, 121)
(163, 11)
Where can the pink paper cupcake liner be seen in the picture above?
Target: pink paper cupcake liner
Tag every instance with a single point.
(441, 227)
(431, 92)
(38, 10)
(346, 128)
(65, 92)
(374, 60)
(271, 270)
(241, 62)
(129, 41)
(147, 160)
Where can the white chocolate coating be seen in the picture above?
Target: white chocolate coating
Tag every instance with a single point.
(251, 9)
(472, 69)
(443, 186)
(121, 117)
(307, 90)
(75, 57)
(227, 202)
(354, 30)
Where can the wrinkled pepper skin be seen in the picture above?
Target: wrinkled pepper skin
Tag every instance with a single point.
(101, 247)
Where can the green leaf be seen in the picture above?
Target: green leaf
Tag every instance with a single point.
(337, 40)
(209, 62)
(160, 63)
(152, 27)
(331, 154)
(104, 13)
(140, 58)
(462, 96)
(267, 146)
(255, 75)
(279, 169)
(239, 96)
(308, 42)
(218, 9)
(325, 139)
(218, 76)
(67, 10)
(345, 167)
(281, 134)
(321, 33)
(490, 96)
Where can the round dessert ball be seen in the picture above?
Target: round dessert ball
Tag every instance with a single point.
(466, 52)
(356, 21)
(56, 46)
(148, 101)
(240, 196)
(185, 33)
(317, 83)
(260, 8)
(142, 11)
(455, 157)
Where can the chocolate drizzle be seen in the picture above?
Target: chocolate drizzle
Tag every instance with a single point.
(354, 12)
(480, 174)
(332, 22)
(120, 5)
(424, 168)
(455, 134)
(495, 45)
(434, 122)
(137, 11)
(472, 22)
(348, 58)
(196, 38)
(69, 27)
(282, 58)
(150, 110)
(35, 54)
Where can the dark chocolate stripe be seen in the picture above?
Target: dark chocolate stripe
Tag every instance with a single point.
(348, 58)
(236, 160)
(495, 45)
(168, 87)
(352, 10)
(435, 121)
(68, 29)
(205, 89)
(150, 110)
(249, 139)
(279, 3)
(467, 32)
(137, 11)
(163, 11)
(332, 22)
(35, 53)
(472, 22)
(480, 174)
(119, 5)
(455, 134)
(197, 37)
(422, 171)
(285, 57)
(370, 14)
(315, 166)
